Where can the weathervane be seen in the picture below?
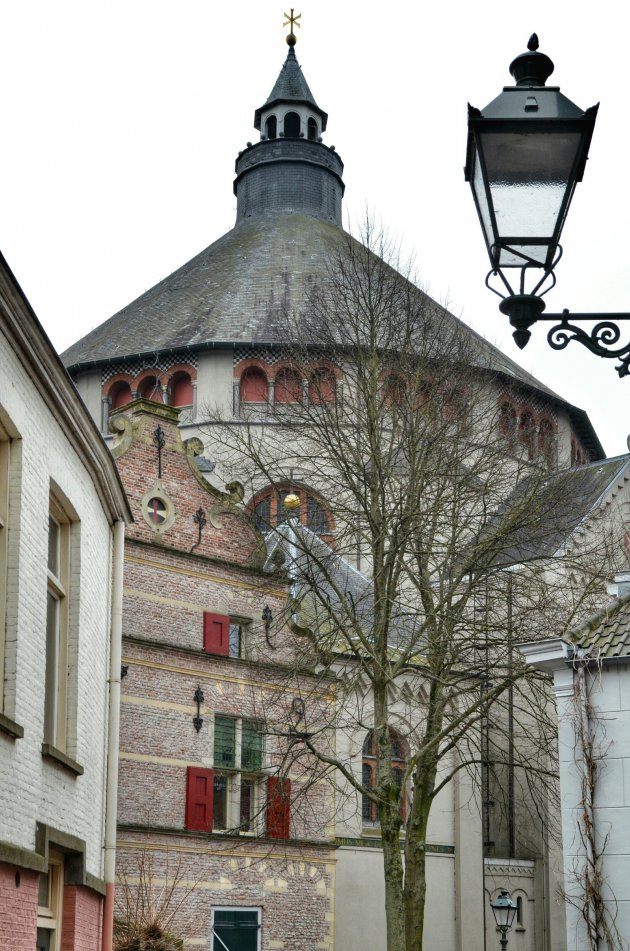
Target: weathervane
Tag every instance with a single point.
(292, 21)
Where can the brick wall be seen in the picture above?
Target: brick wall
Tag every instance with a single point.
(18, 908)
(81, 921)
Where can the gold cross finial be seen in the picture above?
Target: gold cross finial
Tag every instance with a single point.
(292, 21)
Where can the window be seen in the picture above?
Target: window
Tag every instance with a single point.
(312, 130)
(271, 126)
(181, 389)
(235, 929)
(292, 125)
(253, 388)
(5, 456)
(369, 809)
(267, 510)
(57, 627)
(322, 386)
(238, 753)
(288, 386)
(119, 395)
(507, 420)
(49, 904)
(151, 389)
(222, 635)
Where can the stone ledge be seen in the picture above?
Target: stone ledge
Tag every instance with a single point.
(10, 727)
(51, 752)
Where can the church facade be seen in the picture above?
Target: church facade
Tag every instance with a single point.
(217, 329)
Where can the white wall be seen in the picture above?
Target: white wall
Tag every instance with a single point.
(33, 788)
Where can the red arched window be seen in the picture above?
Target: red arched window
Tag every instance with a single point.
(507, 420)
(369, 809)
(322, 386)
(151, 389)
(253, 386)
(394, 390)
(288, 386)
(181, 389)
(267, 510)
(120, 395)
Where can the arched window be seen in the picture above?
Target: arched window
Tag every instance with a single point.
(369, 809)
(394, 390)
(120, 395)
(253, 386)
(268, 511)
(312, 130)
(181, 389)
(322, 386)
(288, 386)
(507, 420)
(271, 127)
(519, 910)
(527, 433)
(292, 125)
(546, 441)
(151, 389)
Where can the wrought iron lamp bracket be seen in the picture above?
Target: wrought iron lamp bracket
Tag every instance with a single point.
(198, 698)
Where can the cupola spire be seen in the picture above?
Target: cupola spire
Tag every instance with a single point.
(289, 169)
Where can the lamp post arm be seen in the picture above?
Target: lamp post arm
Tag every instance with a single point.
(602, 339)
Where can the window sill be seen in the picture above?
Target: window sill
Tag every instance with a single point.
(10, 728)
(51, 752)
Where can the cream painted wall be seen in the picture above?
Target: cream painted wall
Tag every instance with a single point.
(46, 791)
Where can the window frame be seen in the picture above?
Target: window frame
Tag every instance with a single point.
(236, 776)
(5, 488)
(57, 629)
(217, 943)
(50, 916)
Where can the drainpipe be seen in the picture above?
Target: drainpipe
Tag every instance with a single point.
(111, 793)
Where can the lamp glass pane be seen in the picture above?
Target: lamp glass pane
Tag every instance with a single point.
(482, 202)
(529, 174)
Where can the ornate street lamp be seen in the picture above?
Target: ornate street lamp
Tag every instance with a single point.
(504, 911)
(526, 153)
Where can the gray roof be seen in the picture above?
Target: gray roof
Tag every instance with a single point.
(342, 592)
(290, 86)
(241, 289)
(559, 505)
(608, 631)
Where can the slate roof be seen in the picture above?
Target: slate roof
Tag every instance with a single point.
(562, 503)
(241, 289)
(608, 631)
(314, 565)
(290, 86)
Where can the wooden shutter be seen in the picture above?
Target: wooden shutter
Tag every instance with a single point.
(199, 788)
(278, 807)
(216, 633)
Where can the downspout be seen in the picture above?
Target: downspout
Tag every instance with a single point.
(113, 730)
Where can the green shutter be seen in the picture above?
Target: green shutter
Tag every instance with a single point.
(238, 930)
(224, 742)
(251, 750)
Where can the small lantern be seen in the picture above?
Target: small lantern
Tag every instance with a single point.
(526, 152)
(504, 910)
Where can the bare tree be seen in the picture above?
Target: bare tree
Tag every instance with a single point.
(388, 407)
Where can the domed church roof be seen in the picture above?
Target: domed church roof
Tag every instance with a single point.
(241, 288)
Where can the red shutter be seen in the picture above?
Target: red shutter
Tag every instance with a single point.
(199, 788)
(278, 807)
(216, 633)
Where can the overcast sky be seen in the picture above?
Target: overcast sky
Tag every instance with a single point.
(122, 121)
